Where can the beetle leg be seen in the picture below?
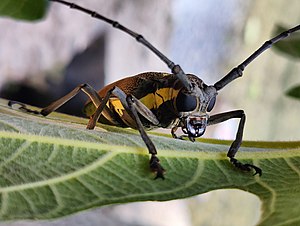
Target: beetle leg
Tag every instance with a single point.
(87, 89)
(94, 119)
(22, 107)
(154, 161)
(214, 119)
(173, 133)
(117, 92)
(181, 137)
(133, 106)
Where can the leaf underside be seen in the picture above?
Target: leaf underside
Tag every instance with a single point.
(51, 167)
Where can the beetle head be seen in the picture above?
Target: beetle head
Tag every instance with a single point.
(193, 107)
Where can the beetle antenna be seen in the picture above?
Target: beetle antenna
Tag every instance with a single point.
(175, 68)
(238, 71)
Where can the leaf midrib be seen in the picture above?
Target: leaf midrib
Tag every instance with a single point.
(245, 152)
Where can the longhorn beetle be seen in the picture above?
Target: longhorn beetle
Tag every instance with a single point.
(153, 99)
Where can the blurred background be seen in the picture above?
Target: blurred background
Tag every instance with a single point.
(41, 61)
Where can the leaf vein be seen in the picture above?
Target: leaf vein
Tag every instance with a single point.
(4, 201)
(88, 187)
(273, 195)
(293, 166)
(58, 200)
(15, 154)
(88, 168)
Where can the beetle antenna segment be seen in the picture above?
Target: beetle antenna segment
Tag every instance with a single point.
(175, 68)
(238, 71)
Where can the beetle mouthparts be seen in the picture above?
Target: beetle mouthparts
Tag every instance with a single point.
(195, 126)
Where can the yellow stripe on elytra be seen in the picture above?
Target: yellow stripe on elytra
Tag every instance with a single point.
(154, 100)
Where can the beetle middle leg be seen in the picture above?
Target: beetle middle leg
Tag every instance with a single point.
(133, 106)
(218, 118)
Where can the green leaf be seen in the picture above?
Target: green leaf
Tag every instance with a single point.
(294, 92)
(23, 9)
(51, 167)
(289, 46)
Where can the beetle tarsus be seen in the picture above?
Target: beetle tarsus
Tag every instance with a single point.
(181, 137)
(246, 167)
(191, 138)
(22, 107)
(156, 167)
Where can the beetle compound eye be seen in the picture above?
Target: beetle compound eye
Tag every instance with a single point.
(211, 104)
(185, 102)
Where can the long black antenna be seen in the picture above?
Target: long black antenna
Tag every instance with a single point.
(238, 71)
(175, 68)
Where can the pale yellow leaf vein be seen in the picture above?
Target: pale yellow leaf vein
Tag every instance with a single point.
(294, 221)
(292, 165)
(19, 151)
(4, 201)
(88, 187)
(104, 158)
(273, 195)
(59, 201)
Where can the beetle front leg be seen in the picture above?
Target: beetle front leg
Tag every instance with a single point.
(215, 119)
(181, 137)
(154, 161)
(133, 106)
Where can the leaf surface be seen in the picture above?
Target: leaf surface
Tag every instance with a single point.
(52, 167)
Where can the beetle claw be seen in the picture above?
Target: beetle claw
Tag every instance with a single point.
(246, 167)
(156, 167)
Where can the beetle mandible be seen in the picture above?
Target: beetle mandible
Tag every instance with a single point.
(154, 99)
